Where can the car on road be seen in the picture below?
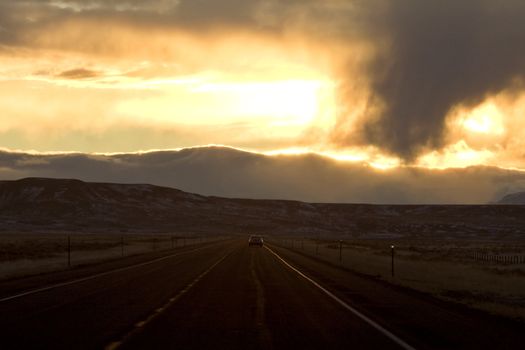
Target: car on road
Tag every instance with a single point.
(255, 240)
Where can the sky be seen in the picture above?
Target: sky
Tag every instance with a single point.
(434, 84)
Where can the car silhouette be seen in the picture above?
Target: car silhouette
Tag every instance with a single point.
(255, 240)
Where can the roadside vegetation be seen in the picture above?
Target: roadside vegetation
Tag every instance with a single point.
(486, 275)
(23, 254)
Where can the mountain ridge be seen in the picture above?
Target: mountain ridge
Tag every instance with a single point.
(517, 198)
(58, 205)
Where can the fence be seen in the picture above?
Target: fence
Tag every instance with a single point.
(430, 268)
(383, 247)
(481, 274)
(498, 258)
(22, 254)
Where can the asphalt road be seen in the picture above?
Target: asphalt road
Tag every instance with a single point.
(230, 296)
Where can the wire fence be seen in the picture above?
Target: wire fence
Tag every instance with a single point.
(505, 259)
(472, 273)
(24, 254)
(485, 275)
(340, 249)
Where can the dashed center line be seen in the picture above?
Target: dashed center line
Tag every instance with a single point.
(140, 325)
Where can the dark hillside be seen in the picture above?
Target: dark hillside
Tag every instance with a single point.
(39, 204)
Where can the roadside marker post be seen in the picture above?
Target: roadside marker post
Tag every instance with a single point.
(392, 249)
(68, 250)
(122, 245)
(340, 251)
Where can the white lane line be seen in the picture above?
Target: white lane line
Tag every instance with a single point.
(369, 321)
(137, 328)
(79, 280)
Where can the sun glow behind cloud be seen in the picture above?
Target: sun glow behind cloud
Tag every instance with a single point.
(261, 98)
(485, 119)
(279, 108)
(285, 102)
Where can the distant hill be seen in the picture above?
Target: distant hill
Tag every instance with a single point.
(514, 198)
(63, 204)
(58, 205)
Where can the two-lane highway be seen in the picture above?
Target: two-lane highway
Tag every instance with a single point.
(230, 296)
(87, 313)
(252, 301)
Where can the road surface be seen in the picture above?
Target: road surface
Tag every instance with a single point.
(227, 295)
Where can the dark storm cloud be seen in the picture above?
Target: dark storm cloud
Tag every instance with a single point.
(206, 12)
(16, 17)
(231, 173)
(434, 55)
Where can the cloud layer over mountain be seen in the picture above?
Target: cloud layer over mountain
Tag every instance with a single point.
(232, 173)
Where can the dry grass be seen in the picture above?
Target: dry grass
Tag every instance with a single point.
(29, 254)
(445, 269)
